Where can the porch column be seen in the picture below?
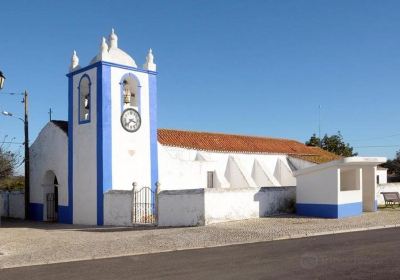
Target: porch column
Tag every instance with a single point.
(369, 188)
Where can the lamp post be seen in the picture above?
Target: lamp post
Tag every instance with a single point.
(26, 142)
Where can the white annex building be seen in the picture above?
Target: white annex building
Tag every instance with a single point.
(83, 169)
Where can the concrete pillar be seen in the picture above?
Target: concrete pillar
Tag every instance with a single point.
(369, 188)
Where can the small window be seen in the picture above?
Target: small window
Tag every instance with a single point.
(84, 99)
(210, 179)
(377, 179)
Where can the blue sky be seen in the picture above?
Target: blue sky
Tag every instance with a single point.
(247, 67)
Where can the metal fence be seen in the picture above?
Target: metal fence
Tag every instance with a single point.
(144, 206)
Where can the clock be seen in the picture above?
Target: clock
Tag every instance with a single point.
(130, 120)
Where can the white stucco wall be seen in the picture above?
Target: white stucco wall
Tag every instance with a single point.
(382, 174)
(239, 204)
(118, 208)
(12, 204)
(207, 206)
(181, 208)
(17, 205)
(181, 168)
(49, 154)
(299, 163)
(130, 151)
(85, 156)
(318, 187)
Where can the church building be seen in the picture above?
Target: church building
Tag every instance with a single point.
(111, 142)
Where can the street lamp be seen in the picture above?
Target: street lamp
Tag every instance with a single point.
(8, 114)
(26, 142)
(2, 79)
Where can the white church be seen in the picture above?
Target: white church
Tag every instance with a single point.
(83, 169)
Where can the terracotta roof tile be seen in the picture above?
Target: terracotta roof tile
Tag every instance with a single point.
(219, 142)
(240, 143)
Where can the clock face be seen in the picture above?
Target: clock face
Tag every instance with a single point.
(130, 120)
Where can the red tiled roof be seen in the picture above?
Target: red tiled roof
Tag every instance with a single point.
(240, 143)
(219, 142)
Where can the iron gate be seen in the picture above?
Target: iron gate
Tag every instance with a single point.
(144, 204)
(51, 207)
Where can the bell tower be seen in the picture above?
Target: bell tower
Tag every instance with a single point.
(112, 128)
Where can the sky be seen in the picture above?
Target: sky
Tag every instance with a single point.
(244, 67)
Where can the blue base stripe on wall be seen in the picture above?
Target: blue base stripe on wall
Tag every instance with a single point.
(36, 211)
(329, 210)
(64, 216)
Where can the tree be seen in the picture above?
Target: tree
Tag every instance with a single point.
(334, 144)
(393, 165)
(8, 162)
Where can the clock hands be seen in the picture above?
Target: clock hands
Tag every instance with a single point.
(130, 120)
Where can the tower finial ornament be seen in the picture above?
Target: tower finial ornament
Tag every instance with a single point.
(74, 62)
(113, 39)
(103, 46)
(150, 65)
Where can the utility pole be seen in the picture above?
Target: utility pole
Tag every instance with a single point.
(50, 112)
(319, 125)
(26, 142)
(26, 132)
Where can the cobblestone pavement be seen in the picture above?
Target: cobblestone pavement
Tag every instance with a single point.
(28, 243)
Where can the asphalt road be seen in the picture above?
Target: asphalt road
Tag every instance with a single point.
(361, 255)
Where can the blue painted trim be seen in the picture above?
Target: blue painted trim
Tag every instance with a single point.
(329, 210)
(128, 67)
(80, 121)
(68, 218)
(63, 214)
(97, 64)
(153, 130)
(36, 211)
(138, 93)
(104, 157)
(99, 148)
(84, 69)
(107, 128)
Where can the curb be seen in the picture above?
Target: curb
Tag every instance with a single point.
(296, 236)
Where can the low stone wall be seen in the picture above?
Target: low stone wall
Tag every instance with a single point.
(181, 208)
(207, 206)
(118, 208)
(237, 204)
(389, 187)
(12, 204)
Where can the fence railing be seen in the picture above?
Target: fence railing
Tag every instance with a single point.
(144, 206)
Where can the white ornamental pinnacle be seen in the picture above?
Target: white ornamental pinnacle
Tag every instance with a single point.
(113, 39)
(74, 62)
(103, 46)
(150, 65)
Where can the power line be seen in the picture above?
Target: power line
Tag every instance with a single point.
(15, 143)
(376, 138)
(378, 146)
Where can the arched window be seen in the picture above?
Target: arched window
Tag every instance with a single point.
(130, 96)
(84, 99)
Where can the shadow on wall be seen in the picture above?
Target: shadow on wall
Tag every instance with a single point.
(276, 200)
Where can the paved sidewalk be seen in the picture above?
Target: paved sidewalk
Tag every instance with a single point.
(28, 243)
